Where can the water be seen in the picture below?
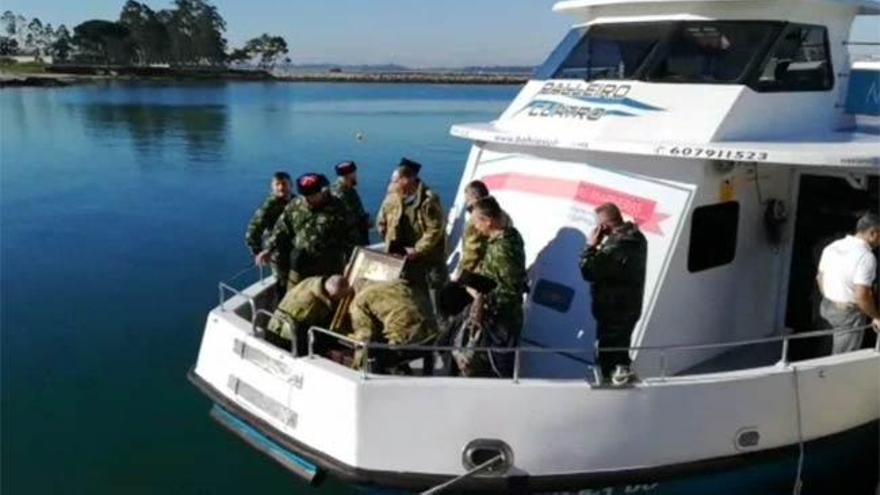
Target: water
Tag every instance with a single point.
(121, 207)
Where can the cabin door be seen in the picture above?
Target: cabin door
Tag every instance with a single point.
(827, 209)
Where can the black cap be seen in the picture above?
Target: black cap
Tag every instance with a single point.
(410, 164)
(345, 168)
(479, 283)
(452, 299)
(308, 184)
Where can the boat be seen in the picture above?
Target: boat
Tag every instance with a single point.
(741, 138)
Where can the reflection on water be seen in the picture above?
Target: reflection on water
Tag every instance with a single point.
(201, 128)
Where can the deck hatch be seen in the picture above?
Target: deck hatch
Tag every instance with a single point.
(259, 400)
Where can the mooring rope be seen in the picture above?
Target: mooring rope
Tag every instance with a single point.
(454, 481)
(798, 481)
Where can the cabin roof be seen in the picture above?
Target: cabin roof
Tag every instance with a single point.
(864, 7)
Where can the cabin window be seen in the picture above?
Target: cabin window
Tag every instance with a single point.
(712, 52)
(713, 236)
(604, 52)
(799, 61)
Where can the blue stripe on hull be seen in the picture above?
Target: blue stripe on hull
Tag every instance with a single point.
(286, 458)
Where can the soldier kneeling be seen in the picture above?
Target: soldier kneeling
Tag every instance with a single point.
(309, 303)
(390, 313)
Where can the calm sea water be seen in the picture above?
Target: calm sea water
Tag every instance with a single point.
(122, 206)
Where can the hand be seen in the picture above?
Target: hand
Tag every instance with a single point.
(876, 324)
(411, 253)
(262, 258)
(598, 234)
(473, 292)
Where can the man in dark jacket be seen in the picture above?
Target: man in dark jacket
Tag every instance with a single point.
(614, 263)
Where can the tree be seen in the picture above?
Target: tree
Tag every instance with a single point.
(195, 28)
(268, 49)
(103, 41)
(150, 36)
(7, 20)
(239, 55)
(8, 46)
(62, 45)
(34, 36)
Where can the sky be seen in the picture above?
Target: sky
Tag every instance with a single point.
(416, 33)
(422, 33)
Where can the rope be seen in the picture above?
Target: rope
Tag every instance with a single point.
(454, 481)
(798, 481)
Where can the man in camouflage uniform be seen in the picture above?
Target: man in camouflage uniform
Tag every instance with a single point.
(264, 219)
(309, 303)
(389, 312)
(313, 232)
(504, 262)
(473, 242)
(411, 224)
(614, 263)
(345, 189)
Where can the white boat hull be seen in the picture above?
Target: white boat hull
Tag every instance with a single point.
(405, 431)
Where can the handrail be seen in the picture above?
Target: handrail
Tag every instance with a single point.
(283, 318)
(663, 349)
(224, 287)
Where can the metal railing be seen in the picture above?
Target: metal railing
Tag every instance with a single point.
(225, 287)
(518, 351)
(663, 350)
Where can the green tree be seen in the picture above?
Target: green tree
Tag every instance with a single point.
(150, 36)
(33, 36)
(267, 49)
(195, 28)
(8, 22)
(103, 42)
(62, 45)
(8, 46)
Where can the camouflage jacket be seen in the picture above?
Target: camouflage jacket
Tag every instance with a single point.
(430, 246)
(318, 241)
(505, 263)
(305, 305)
(473, 245)
(264, 219)
(616, 271)
(389, 311)
(359, 218)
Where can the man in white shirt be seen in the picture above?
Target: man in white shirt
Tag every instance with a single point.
(847, 270)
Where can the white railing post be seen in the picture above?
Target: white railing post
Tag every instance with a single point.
(784, 360)
(516, 365)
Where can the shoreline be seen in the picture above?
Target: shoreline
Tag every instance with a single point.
(59, 76)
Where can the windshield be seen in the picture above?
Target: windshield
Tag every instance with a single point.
(673, 51)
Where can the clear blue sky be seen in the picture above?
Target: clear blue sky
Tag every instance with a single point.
(410, 32)
(421, 33)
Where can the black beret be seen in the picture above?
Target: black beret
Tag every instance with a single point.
(410, 164)
(452, 299)
(308, 184)
(480, 283)
(345, 168)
